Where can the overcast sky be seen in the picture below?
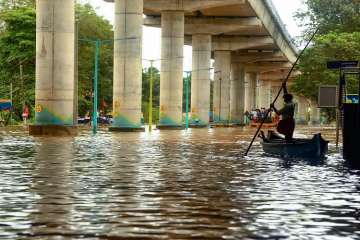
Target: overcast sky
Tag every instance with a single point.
(151, 47)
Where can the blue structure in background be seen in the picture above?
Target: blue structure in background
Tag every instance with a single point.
(352, 98)
(5, 105)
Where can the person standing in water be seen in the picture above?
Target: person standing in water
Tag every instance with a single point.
(286, 125)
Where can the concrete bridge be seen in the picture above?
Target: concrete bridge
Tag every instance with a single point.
(246, 38)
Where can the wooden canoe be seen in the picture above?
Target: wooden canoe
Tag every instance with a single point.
(265, 125)
(315, 148)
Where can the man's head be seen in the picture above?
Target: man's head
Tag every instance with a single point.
(288, 97)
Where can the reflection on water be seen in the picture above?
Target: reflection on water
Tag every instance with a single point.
(170, 185)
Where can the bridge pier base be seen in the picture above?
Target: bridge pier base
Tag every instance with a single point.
(53, 130)
(55, 46)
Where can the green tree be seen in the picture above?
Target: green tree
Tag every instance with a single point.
(331, 46)
(17, 55)
(92, 26)
(11, 4)
(338, 39)
(331, 15)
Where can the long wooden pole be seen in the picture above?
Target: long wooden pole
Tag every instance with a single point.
(280, 90)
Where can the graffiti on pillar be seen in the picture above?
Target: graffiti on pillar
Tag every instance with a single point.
(162, 108)
(116, 112)
(38, 108)
(117, 104)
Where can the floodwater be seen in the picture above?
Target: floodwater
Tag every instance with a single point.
(170, 185)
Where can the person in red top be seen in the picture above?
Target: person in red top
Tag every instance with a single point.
(26, 113)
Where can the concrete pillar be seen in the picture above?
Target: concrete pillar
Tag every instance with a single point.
(171, 79)
(222, 86)
(315, 113)
(250, 91)
(302, 110)
(200, 82)
(275, 88)
(54, 94)
(237, 95)
(264, 94)
(127, 65)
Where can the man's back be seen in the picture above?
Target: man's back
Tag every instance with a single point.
(288, 111)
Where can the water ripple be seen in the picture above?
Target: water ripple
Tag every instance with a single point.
(170, 185)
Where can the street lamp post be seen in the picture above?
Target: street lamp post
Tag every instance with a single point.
(151, 95)
(12, 104)
(220, 78)
(97, 43)
(187, 83)
(96, 79)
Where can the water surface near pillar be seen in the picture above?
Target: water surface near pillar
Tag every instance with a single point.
(170, 185)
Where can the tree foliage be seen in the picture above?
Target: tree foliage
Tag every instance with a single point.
(330, 15)
(12, 4)
(327, 47)
(338, 39)
(92, 27)
(17, 54)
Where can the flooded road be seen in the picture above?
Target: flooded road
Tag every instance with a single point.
(170, 185)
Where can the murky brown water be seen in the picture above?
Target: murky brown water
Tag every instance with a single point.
(170, 185)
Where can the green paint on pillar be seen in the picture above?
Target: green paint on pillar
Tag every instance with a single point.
(123, 122)
(196, 121)
(46, 117)
(168, 122)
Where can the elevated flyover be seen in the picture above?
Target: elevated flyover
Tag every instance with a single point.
(246, 38)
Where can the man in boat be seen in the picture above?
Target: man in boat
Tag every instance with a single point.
(286, 125)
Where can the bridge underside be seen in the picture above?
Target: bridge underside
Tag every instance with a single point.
(251, 49)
